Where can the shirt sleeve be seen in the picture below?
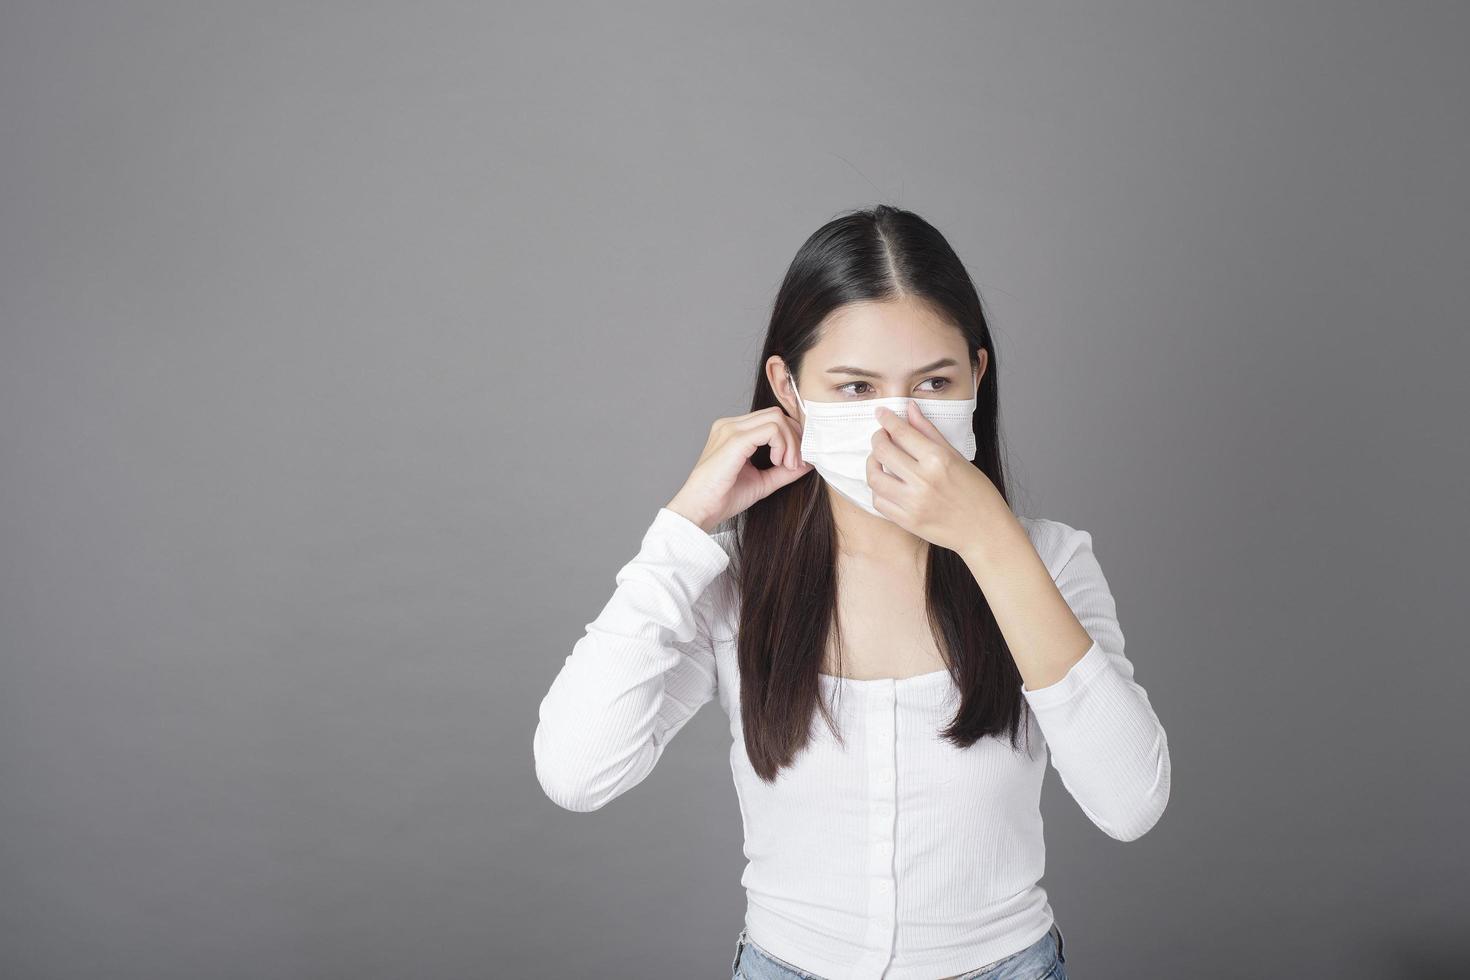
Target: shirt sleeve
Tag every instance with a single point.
(642, 669)
(1105, 740)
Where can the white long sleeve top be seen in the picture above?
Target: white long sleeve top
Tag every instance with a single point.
(897, 855)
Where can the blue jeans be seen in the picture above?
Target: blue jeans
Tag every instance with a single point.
(1042, 960)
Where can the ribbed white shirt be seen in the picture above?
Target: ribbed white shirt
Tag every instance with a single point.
(897, 855)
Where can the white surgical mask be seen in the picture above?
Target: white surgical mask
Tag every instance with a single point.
(837, 437)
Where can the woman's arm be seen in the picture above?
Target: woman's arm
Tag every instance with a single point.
(643, 668)
(1061, 624)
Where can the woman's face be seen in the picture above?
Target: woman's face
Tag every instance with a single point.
(881, 350)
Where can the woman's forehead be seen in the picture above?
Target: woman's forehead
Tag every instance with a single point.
(880, 339)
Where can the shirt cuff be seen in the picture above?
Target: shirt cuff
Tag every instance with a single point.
(1076, 680)
(692, 543)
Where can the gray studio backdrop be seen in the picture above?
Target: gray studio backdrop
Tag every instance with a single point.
(349, 349)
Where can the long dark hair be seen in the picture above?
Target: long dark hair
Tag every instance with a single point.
(785, 546)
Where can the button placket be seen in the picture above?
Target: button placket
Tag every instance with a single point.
(881, 745)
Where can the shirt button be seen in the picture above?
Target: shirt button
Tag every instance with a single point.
(884, 885)
(885, 773)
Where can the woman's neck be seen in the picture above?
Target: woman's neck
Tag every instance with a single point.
(867, 537)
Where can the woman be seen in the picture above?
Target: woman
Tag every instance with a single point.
(873, 575)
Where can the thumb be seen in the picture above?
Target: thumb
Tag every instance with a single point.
(776, 477)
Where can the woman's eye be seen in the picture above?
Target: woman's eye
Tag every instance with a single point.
(848, 388)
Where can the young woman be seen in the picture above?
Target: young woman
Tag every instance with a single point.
(872, 575)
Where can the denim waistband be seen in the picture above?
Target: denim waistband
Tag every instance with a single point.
(744, 940)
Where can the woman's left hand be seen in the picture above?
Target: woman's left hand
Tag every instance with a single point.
(930, 489)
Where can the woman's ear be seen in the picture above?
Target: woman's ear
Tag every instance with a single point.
(779, 378)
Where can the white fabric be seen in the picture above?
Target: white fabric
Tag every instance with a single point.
(896, 855)
(837, 437)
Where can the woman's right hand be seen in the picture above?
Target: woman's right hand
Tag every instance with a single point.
(725, 482)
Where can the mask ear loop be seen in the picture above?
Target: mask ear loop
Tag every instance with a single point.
(792, 378)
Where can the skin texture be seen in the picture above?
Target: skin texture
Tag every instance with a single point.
(932, 495)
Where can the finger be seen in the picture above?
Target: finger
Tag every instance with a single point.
(908, 434)
(886, 484)
(889, 509)
(777, 477)
(786, 445)
(885, 451)
(920, 421)
(782, 451)
(782, 444)
(788, 453)
(751, 420)
(887, 493)
(750, 438)
(793, 452)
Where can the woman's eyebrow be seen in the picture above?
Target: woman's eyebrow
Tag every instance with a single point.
(865, 373)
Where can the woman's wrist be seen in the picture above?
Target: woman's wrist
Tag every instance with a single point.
(996, 534)
(706, 522)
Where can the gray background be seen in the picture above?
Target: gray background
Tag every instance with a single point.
(348, 350)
